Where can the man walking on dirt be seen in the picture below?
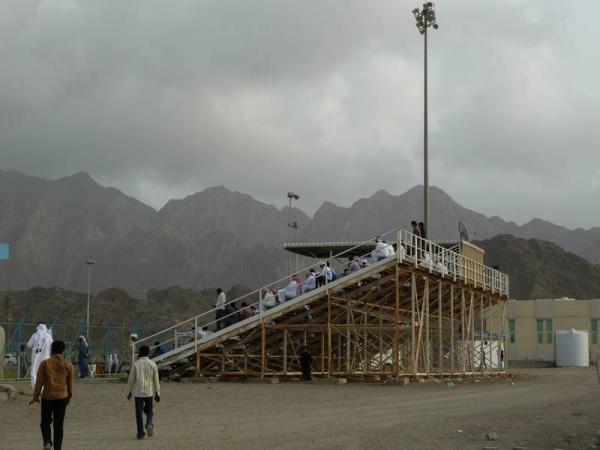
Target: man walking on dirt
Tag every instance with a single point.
(144, 385)
(55, 383)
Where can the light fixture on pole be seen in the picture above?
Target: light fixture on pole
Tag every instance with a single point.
(89, 263)
(425, 19)
(291, 196)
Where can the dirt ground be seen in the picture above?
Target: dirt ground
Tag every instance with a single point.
(542, 408)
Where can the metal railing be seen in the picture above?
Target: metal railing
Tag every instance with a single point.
(410, 249)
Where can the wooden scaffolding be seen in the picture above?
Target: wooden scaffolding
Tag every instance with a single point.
(403, 320)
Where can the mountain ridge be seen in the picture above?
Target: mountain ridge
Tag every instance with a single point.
(214, 236)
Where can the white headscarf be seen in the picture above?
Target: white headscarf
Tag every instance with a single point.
(38, 338)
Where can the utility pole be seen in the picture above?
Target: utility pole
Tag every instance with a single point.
(425, 19)
(89, 264)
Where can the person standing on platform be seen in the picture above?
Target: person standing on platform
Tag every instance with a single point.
(422, 230)
(144, 385)
(83, 358)
(220, 307)
(54, 382)
(417, 234)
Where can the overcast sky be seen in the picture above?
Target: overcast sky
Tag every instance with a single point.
(165, 98)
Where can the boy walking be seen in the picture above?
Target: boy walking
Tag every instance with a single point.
(55, 383)
(144, 384)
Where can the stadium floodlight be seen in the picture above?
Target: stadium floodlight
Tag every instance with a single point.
(425, 18)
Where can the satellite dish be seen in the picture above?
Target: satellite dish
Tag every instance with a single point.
(463, 232)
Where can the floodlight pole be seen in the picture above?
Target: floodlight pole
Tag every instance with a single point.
(425, 143)
(425, 18)
(290, 232)
(89, 264)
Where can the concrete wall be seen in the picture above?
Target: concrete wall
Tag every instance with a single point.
(564, 314)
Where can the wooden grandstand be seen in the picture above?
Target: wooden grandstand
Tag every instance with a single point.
(427, 311)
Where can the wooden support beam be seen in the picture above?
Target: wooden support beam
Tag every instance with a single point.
(323, 352)
(263, 351)
(462, 331)
(472, 328)
(452, 355)
(413, 307)
(440, 340)
(285, 344)
(348, 339)
(489, 330)
(427, 334)
(366, 359)
(198, 364)
(481, 340)
(396, 345)
(329, 367)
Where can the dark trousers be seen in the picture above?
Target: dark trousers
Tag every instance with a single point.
(305, 369)
(53, 413)
(320, 281)
(143, 405)
(220, 314)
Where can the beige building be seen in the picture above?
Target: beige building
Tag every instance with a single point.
(532, 325)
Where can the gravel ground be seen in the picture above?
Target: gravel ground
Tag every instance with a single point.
(541, 408)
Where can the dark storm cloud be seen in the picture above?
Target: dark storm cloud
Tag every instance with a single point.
(165, 98)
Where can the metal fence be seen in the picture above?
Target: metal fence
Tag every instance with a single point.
(103, 340)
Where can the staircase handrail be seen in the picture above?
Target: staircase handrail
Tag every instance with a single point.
(259, 290)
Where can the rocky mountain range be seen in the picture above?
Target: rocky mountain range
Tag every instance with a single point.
(541, 269)
(215, 237)
(537, 269)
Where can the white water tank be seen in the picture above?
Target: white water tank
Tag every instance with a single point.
(572, 348)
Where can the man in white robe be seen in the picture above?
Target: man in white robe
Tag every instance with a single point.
(115, 363)
(109, 363)
(133, 337)
(354, 265)
(289, 292)
(311, 282)
(39, 343)
(380, 251)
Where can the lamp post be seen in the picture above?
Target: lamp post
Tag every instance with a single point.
(296, 227)
(291, 196)
(89, 263)
(425, 19)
